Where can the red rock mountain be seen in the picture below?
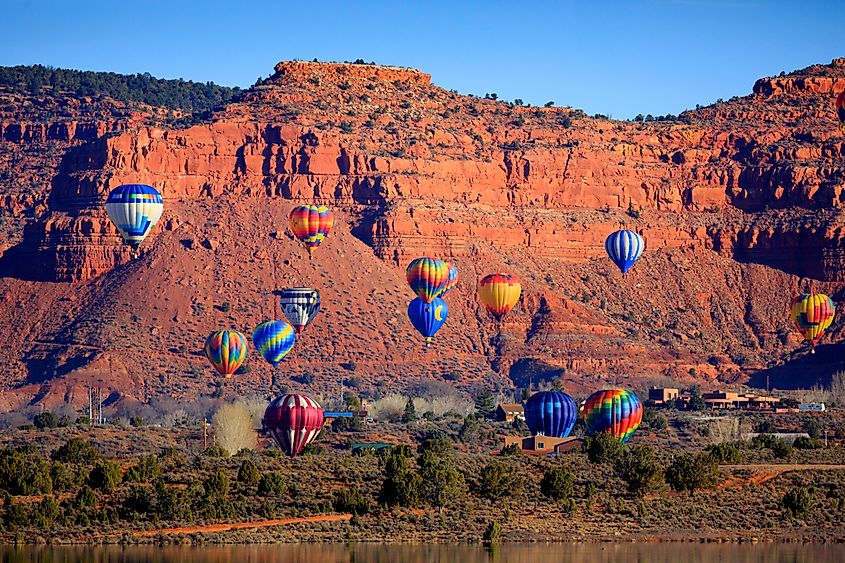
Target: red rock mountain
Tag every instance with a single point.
(740, 204)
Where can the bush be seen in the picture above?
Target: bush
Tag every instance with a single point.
(603, 448)
(105, 476)
(805, 443)
(216, 451)
(493, 532)
(65, 478)
(441, 484)
(351, 500)
(641, 470)
(272, 484)
(689, 472)
(654, 420)
(401, 486)
(498, 481)
(141, 499)
(798, 501)
(86, 498)
(248, 473)
(22, 475)
(45, 419)
(46, 512)
(216, 486)
(726, 452)
(557, 483)
(77, 450)
(234, 428)
(145, 471)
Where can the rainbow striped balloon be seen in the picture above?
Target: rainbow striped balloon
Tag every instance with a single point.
(226, 350)
(273, 340)
(427, 277)
(617, 411)
(311, 224)
(812, 314)
(451, 281)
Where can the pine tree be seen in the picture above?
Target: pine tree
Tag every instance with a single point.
(485, 403)
(410, 414)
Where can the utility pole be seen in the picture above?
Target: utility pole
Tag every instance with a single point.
(204, 433)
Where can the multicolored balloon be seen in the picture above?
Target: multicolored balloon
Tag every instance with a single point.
(624, 248)
(427, 318)
(812, 314)
(293, 421)
(427, 277)
(840, 109)
(311, 224)
(551, 413)
(300, 305)
(499, 293)
(617, 411)
(134, 209)
(451, 281)
(273, 340)
(226, 350)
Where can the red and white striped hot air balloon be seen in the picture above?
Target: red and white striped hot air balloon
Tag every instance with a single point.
(294, 421)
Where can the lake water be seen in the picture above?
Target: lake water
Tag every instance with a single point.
(373, 553)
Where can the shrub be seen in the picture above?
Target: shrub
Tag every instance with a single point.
(401, 486)
(216, 451)
(557, 483)
(805, 443)
(654, 420)
(798, 501)
(65, 478)
(86, 498)
(234, 428)
(46, 512)
(22, 475)
(603, 448)
(351, 500)
(725, 452)
(498, 481)
(105, 476)
(77, 450)
(216, 485)
(641, 470)
(689, 472)
(441, 484)
(248, 473)
(493, 532)
(141, 499)
(272, 484)
(45, 419)
(145, 471)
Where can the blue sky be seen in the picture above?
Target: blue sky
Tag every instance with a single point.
(618, 58)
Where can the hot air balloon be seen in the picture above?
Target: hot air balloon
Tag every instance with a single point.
(451, 281)
(294, 421)
(427, 277)
(311, 224)
(427, 318)
(273, 340)
(616, 411)
(226, 350)
(624, 248)
(840, 109)
(300, 305)
(812, 314)
(134, 209)
(551, 413)
(499, 293)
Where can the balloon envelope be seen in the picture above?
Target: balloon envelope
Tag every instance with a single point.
(499, 293)
(617, 411)
(300, 305)
(840, 109)
(451, 281)
(311, 224)
(427, 318)
(624, 248)
(427, 277)
(293, 421)
(812, 314)
(273, 340)
(134, 209)
(226, 350)
(551, 413)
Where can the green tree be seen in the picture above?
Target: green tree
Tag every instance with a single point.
(351, 500)
(441, 483)
(86, 498)
(499, 480)
(726, 452)
(603, 447)
(216, 485)
(77, 450)
(493, 532)
(65, 478)
(470, 432)
(813, 427)
(696, 402)
(105, 476)
(805, 443)
(689, 472)
(146, 470)
(410, 414)
(46, 512)
(272, 484)
(45, 419)
(798, 501)
(248, 473)
(557, 483)
(485, 403)
(641, 470)
(401, 486)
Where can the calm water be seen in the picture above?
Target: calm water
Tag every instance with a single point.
(513, 553)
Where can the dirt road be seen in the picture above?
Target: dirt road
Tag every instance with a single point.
(239, 525)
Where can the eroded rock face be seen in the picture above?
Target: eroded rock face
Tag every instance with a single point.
(733, 200)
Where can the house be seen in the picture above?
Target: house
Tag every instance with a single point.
(508, 412)
(540, 444)
(663, 395)
(730, 400)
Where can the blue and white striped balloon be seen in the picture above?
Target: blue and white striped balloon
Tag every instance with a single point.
(134, 209)
(624, 248)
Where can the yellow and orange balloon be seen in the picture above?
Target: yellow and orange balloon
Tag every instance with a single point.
(812, 314)
(499, 293)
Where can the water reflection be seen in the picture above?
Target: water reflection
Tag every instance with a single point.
(375, 553)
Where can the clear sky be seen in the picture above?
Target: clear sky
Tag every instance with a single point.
(615, 57)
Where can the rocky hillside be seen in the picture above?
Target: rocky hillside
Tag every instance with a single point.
(739, 204)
